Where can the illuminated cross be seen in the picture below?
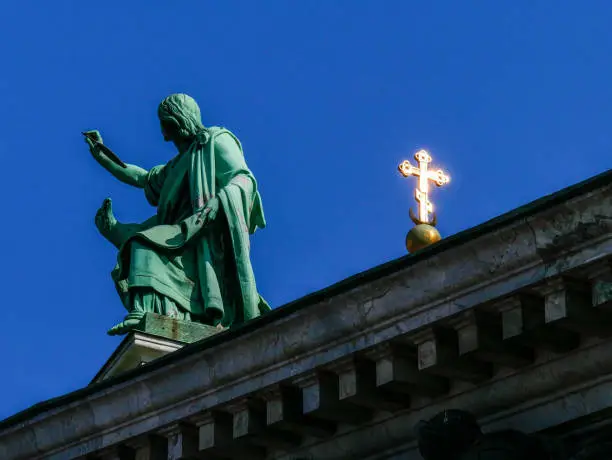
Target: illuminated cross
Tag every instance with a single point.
(422, 191)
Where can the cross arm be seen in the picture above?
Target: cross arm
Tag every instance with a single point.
(438, 177)
(408, 170)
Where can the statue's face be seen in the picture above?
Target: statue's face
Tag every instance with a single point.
(168, 130)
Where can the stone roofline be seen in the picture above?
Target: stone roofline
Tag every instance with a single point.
(470, 315)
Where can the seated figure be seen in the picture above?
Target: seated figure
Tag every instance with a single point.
(191, 260)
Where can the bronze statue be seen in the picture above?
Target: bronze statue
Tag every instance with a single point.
(191, 259)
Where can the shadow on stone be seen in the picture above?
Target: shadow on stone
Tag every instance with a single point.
(456, 435)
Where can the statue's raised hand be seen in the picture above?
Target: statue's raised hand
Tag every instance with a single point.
(91, 139)
(129, 174)
(105, 220)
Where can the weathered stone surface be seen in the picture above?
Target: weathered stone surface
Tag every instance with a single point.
(250, 426)
(542, 396)
(216, 440)
(438, 352)
(321, 399)
(524, 324)
(182, 441)
(358, 385)
(568, 303)
(480, 336)
(284, 412)
(154, 337)
(136, 349)
(175, 329)
(149, 447)
(397, 372)
(426, 291)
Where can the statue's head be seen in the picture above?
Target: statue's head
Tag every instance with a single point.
(179, 117)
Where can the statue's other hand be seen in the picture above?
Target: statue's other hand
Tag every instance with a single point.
(210, 211)
(105, 220)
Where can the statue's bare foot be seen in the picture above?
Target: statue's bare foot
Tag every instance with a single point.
(124, 326)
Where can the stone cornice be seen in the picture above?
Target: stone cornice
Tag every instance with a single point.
(480, 270)
(579, 383)
(540, 206)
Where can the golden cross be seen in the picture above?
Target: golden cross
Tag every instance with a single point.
(422, 191)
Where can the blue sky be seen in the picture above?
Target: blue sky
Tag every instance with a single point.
(513, 98)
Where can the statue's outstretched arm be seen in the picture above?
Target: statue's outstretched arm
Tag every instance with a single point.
(129, 174)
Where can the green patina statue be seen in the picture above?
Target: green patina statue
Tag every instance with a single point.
(190, 261)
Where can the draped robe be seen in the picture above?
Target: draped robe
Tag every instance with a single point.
(177, 263)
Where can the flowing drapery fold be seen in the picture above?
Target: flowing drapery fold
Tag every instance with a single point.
(203, 266)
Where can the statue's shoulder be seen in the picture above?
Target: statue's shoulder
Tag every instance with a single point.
(214, 131)
(230, 141)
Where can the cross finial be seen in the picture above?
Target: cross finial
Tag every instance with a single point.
(422, 191)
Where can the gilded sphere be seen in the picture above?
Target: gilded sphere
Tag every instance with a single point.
(421, 236)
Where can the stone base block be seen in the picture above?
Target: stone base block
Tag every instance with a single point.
(155, 336)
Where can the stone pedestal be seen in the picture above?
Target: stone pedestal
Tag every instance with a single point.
(155, 336)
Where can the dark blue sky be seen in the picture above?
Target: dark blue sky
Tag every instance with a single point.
(513, 98)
